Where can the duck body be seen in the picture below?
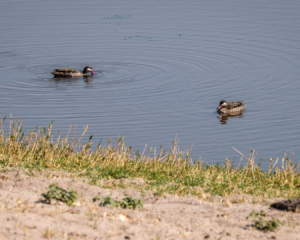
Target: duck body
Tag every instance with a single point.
(231, 107)
(70, 72)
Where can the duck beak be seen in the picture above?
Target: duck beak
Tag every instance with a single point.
(93, 73)
(219, 107)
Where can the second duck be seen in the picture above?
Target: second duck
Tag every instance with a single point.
(231, 107)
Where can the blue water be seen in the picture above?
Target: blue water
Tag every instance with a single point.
(161, 71)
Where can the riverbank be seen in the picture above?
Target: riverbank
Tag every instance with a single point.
(182, 198)
(164, 172)
(24, 214)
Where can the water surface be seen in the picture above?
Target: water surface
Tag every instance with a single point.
(161, 70)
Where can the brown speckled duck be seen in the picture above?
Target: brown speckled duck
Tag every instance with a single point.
(69, 72)
(231, 107)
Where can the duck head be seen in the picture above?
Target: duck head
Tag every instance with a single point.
(88, 69)
(223, 103)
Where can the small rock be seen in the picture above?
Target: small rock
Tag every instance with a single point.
(76, 204)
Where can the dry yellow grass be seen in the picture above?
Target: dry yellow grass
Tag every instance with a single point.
(171, 171)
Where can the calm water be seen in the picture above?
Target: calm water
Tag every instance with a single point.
(161, 70)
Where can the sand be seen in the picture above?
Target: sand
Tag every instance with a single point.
(24, 214)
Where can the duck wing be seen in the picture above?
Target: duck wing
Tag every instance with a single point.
(67, 70)
(232, 105)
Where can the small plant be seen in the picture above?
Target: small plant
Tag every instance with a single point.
(262, 224)
(126, 203)
(96, 199)
(108, 200)
(255, 214)
(60, 194)
(131, 203)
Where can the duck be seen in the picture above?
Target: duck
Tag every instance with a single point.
(69, 72)
(231, 107)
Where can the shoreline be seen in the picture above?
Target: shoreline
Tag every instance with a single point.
(168, 172)
(182, 198)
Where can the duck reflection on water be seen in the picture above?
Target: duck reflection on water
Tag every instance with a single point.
(72, 79)
(59, 82)
(224, 117)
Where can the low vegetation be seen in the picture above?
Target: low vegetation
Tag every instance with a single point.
(262, 224)
(172, 171)
(59, 194)
(126, 203)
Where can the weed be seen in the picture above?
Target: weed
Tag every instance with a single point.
(96, 199)
(267, 225)
(128, 203)
(131, 203)
(262, 224)
(94, 225)
(109, 201)
(59, 194)
(255, 214)
(90, 215)
(242, 200)
(48, 233)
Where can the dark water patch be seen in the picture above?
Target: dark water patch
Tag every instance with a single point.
(117, 17)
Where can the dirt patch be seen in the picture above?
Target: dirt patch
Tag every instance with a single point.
(25, 216)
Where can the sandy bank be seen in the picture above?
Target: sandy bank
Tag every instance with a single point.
(24, 216)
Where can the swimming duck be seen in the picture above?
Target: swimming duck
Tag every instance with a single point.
(231, 107)
(69, 72)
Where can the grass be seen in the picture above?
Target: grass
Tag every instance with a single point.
(172, 171)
